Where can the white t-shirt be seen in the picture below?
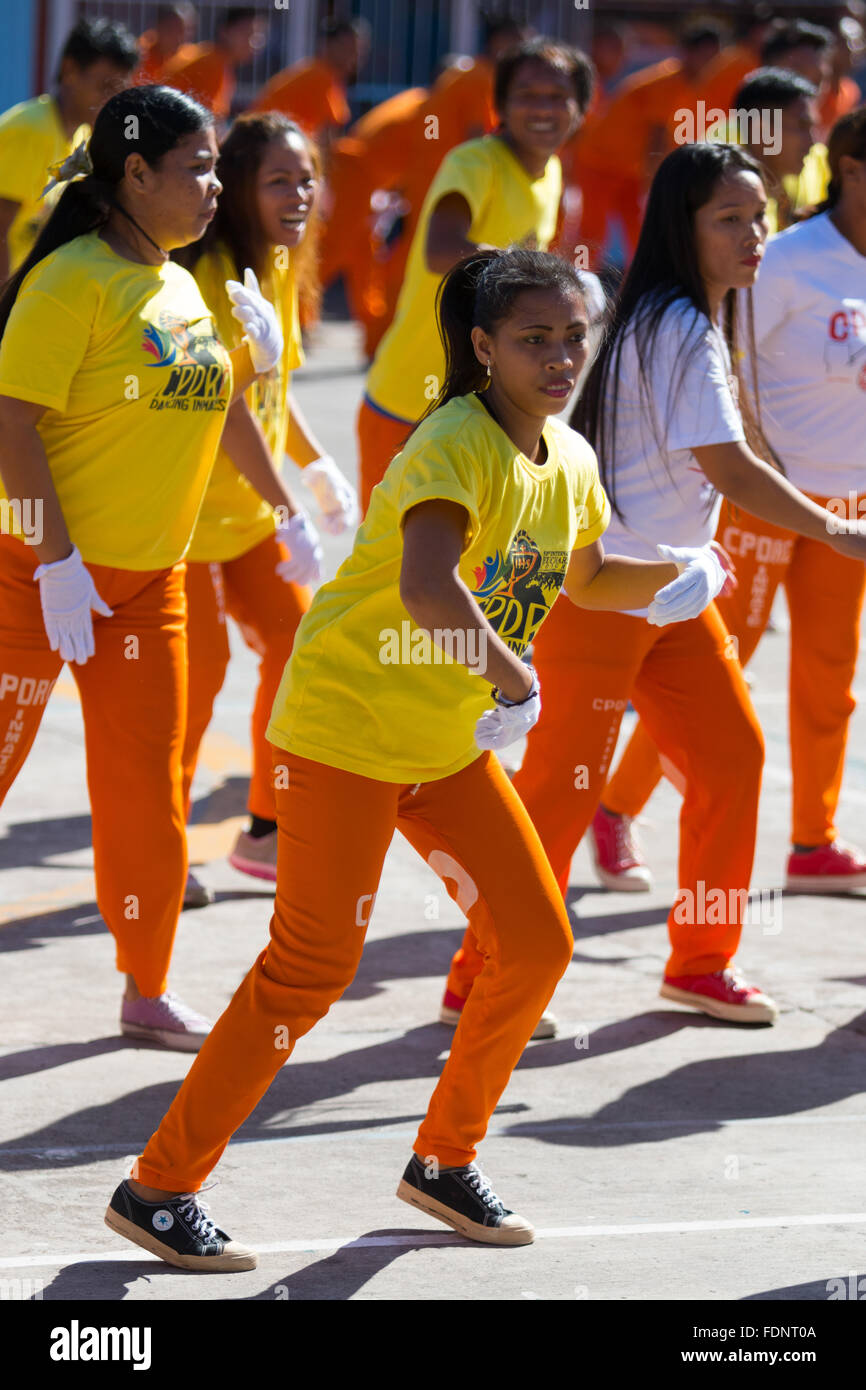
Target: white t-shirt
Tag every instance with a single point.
(661, 491)
(810, 333)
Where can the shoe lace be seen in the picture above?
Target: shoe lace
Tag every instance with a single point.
(194, 1213)
(173, 1007)
(732, 977)
(626, 841)
(482, 1186)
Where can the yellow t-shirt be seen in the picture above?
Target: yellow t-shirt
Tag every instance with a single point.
(31, 138)
(136, 387)
(367, 691)
(233, 517)
(507, 207)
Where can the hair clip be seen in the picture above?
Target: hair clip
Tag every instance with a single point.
(78, 162)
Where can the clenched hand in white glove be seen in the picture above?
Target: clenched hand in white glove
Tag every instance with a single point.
(508, 722)
(336, 498)
(68, 594)
(701, 578)
(258, 317)
(301, 538)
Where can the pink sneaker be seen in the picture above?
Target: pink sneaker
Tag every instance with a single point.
(256, 857)
(722, 994)
(619, 863)
(452, 1007)
(834, 868)
(164, 1019)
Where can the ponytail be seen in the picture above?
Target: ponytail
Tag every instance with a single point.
(148, 121)
(456, 316)
(479, 292)
(83, 207)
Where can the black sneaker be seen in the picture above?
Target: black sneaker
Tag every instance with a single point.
(178, 1231)
(464, 1200)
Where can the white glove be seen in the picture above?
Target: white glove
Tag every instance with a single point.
(701, 578)
(67, 594)
(258, 317)
(336, 498)
(302, 539)
(508, 722)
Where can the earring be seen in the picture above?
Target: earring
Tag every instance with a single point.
(488, 367)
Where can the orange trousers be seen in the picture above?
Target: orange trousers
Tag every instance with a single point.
(380, 437)
(825, 599)
(696, 704)
(133, 699)
(268, 611)
(334, 831)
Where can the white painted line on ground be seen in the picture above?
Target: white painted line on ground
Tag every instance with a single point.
(298, 1247)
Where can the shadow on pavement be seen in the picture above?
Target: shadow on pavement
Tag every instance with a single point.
(817, 1292)
(341, 1274)
(29, 933)
(124, 1124)
(699, 1096)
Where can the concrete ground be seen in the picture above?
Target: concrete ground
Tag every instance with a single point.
(661, 1155)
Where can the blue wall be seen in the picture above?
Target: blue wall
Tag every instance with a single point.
(17, 33)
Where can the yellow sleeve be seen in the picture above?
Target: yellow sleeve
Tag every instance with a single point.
(211, 272)
(22, 152)
(593, 517)
(466, 170)
(43, 347)
(432, 470)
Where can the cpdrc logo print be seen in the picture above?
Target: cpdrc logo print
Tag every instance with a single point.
(198, 362)
(515, 591)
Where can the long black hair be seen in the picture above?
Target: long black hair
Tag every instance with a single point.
(479, 292)
(148, 121)
(665, 270)
(237, 224)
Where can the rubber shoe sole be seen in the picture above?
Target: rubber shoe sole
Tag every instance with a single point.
(164, 1037)
(824, 883)
(547, 1026)
(717, 1008)
(255, 870)
(234, 1258)
(513, 1230)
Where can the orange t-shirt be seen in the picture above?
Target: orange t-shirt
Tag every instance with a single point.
(832, 105)
(153, 59)
(726, 74)
(309, 93)
(387, 132)
(205, 74)
(462, 101)
(619, 140)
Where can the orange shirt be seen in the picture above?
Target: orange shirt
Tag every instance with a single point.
(388, 132)
(726, 74)
(207, 75)
(309, 93)
(462, 101)
(646, 102)
(153, 60)
(832, 105)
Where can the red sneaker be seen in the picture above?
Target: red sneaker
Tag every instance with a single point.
(619, 863)
(722, 994)
(452, 1007)
(834, 868)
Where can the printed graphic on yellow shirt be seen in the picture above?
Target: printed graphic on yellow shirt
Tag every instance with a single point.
(199, 376)
(515, 591)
